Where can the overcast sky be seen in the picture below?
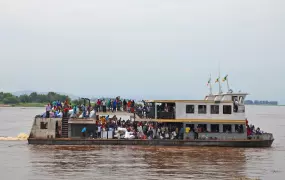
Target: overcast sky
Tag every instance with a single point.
(163, 49)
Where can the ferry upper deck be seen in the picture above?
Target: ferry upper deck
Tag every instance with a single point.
(222, 108)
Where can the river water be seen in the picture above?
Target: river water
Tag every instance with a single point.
(22, 161)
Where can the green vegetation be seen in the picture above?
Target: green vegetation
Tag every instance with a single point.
(32, 100)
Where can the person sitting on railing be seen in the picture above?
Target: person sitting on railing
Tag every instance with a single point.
(258, 131)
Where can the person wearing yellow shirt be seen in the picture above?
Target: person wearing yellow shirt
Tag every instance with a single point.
(187, 130)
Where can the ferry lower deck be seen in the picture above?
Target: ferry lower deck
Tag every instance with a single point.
(155, 142)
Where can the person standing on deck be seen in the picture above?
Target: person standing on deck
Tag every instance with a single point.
(87, 112)
(75, 110)
(104, 105)
(59, 105)
(124, 105)
(181, 133)
(66, 108)
(83, 131)
(48, 109)
(99, 131)
(109, 104)
(98, 104)
(129, 106)
(187, 131)
(118, 105)
(114, 105)
(54, 104)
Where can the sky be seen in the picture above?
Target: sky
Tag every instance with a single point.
(145, 49)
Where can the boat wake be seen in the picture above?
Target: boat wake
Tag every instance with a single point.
(20, 137)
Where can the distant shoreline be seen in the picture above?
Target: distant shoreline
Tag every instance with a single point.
(24, 105)
(263, 105)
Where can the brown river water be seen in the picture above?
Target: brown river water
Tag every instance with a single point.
(22, 161)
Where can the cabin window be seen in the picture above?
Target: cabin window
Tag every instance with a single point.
(239, 128)
(190, 109)
(214, 109)
(43, 125)
(227, 128)
(202, 127)
(202, 109)
(215, 128)
(227, 109)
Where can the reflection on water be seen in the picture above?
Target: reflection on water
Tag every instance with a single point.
(135, 161)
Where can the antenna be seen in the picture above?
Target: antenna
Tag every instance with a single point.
(211, 93)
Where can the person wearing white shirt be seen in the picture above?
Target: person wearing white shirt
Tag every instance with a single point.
(99, 132)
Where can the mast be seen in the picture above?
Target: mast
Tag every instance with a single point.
(210, 85)
(220, 87)
(226, 79)
(228, 84)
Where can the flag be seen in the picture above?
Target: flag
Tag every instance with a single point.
(225, 78)
(217, 80)
(209, 81)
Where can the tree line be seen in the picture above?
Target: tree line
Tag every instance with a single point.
(34, 97)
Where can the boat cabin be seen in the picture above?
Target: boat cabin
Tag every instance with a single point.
(216, 114)
(229, 106)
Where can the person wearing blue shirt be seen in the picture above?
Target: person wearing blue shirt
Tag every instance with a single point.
(114, 105)
(181, 133)
(74, 109)
(83, 131)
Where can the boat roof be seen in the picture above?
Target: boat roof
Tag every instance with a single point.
(185, 101)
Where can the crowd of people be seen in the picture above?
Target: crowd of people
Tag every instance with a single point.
(57, 109)
(252, 131)
(114, 105)
(134, 129)
(147, 130)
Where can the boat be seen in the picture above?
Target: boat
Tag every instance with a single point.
(217, 120)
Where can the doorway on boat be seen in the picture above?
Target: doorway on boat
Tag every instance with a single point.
(58, 125)
(165, 110)
(56, 130)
